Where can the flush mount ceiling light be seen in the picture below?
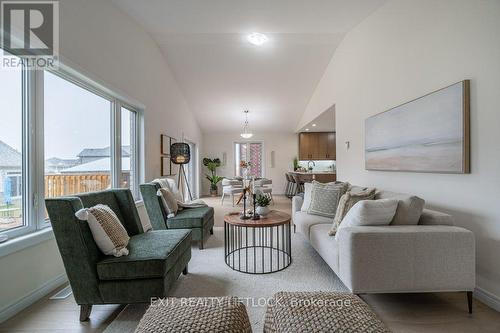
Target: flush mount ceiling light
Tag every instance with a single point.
(246, 133)
(313, 125)
(256, 38)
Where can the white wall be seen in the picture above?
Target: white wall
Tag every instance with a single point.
(285, 146)
(402, 51)
(104, 42)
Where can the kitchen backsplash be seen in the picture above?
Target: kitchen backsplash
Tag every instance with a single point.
(320, 165)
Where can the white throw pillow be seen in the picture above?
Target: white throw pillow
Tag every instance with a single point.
(108, 232)
(369, 213)
(307, 197)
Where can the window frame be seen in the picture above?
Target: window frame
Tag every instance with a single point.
(33, 157)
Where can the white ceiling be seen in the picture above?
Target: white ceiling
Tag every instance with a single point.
(221, 74)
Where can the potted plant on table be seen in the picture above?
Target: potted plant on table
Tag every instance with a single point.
(263, 202)
(212, 165)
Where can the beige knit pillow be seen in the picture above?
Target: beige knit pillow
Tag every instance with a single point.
(346, 202)
(108, 232)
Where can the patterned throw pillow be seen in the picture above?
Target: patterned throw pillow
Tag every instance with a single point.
(169, 201)
(325, 198)
(348, 200)
(109, 234)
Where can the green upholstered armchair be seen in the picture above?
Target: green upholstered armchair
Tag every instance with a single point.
(199, 220)
(155, 259)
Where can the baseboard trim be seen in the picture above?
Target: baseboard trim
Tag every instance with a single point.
(14, 308)
(487, 298)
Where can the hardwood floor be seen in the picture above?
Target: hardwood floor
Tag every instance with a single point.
(409, 313)
(60, 316)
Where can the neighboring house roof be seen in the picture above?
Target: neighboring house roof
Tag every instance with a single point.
(60, 163)
(9, 157)
(102, 152)
(101, 165)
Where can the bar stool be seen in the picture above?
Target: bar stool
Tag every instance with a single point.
(299, 185)
(290, 185)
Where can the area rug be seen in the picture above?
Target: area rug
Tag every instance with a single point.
(209, 276)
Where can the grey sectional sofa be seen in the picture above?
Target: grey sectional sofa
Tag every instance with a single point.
(428, 254)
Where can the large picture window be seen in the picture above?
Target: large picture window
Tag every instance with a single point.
(82, 137)
(11, 150)
(77, 139)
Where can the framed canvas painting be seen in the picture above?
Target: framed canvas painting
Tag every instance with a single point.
(428, 134)
(166, 169)
(165, 144)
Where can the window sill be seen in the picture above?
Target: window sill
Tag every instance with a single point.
(31, 239)
(25, 241)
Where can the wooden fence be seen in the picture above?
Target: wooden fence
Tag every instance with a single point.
(57, 185)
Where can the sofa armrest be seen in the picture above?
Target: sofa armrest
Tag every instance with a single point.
(418, 258)
(432, 217)
(296, 204)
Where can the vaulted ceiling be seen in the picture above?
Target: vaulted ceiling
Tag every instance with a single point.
(221, 73)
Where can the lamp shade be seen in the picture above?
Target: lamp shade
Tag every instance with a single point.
(180, 153)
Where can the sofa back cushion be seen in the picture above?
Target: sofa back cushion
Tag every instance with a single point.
(409, 209)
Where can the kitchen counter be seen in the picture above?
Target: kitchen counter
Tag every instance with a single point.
(314, 172)
(319, 176)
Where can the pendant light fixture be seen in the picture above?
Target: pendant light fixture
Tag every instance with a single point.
(246, 133)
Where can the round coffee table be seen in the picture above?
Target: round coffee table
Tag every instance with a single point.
(258, 246)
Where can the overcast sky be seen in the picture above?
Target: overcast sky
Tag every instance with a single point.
(74, 118)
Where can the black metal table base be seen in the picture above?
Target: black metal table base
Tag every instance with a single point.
(257, 249)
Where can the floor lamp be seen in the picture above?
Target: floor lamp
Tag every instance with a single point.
(181, 154)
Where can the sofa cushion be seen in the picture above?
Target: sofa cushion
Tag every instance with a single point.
(326, 246)
(409, 209)
(191, 218)
(346, 202)
(151, 255)
(325, 198)
(307, 196)
(370, 212)
(305, 221)
(168, 200)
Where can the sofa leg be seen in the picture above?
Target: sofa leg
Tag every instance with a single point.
(294, 228)
(200, 246)
(469, 300)
(185, 270)
(212, 231)
(85, 312)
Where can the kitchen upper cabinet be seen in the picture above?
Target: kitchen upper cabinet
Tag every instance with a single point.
(331, 150)
(317, 146)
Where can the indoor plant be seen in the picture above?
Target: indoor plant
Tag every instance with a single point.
(295, 164)
(263, 202)
(212, 165)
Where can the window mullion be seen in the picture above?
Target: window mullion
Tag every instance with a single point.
(31, 200)
(115, 152)
(38, 155)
